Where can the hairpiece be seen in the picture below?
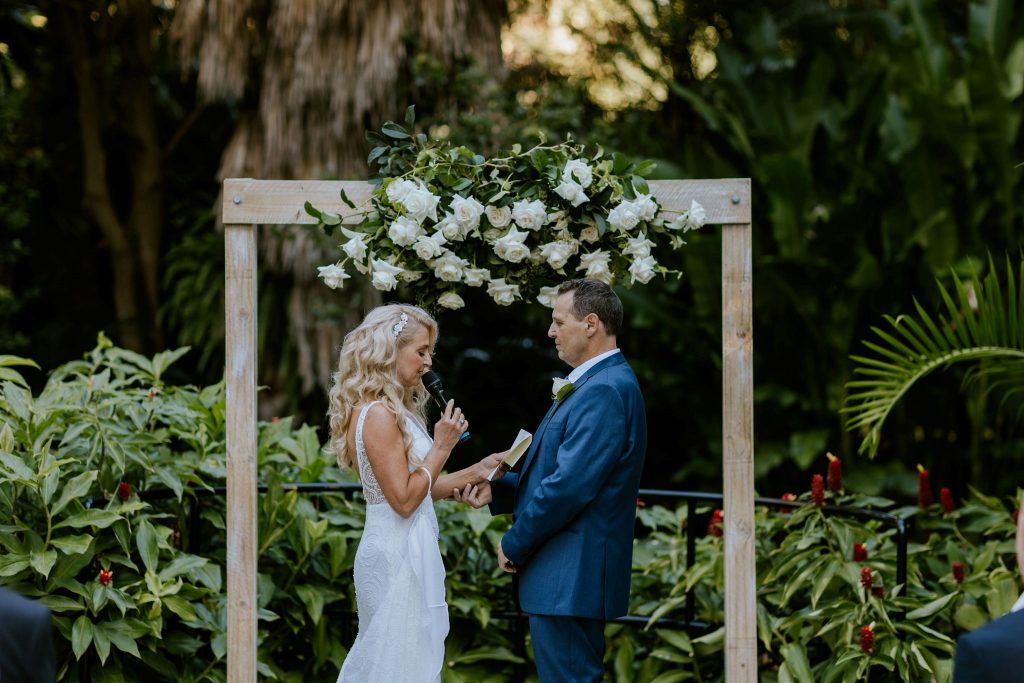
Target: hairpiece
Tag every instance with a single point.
(397, 328)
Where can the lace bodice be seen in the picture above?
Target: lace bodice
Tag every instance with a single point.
(421, 443)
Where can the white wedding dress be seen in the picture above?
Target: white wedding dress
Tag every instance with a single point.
(399, 575)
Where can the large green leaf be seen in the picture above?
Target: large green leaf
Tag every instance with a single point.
(979, 326)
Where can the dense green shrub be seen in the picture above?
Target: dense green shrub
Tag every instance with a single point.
(108, 515)
(822, 578)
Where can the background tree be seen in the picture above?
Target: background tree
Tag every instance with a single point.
(882, 139)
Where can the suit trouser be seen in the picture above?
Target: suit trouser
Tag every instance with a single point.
(567, 649)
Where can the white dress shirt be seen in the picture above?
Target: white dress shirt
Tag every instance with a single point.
(580, 369)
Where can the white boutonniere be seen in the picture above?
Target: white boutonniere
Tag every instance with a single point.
(560, 388)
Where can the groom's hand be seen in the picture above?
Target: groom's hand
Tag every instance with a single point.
(476, 495)
(506, 564)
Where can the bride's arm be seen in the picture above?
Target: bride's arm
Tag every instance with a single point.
(385, 449)
(446, 484)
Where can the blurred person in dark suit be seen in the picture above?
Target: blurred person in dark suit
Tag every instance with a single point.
(26, 648)
(994, 653)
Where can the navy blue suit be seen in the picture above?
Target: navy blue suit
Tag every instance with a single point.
(574, 506)
(26, 649)
(993, 653)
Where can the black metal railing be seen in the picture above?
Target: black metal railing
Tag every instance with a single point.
(691, 498)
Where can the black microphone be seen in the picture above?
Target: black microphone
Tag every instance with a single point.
(432, 383)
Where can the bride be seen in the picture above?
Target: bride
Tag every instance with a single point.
(377, 409)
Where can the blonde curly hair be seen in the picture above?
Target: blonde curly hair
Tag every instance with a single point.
(368, 371)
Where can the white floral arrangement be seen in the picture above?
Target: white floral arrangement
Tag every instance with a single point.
(517, 224)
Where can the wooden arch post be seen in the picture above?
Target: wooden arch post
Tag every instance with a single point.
(248, 203)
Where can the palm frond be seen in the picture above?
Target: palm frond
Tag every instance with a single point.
(979, 325)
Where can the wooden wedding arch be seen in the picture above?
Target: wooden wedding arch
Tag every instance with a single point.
(248, 203)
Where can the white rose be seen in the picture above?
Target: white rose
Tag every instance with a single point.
(451, 300)
(398, 189)
(589, 234)
(639, 247)
(429, 246)
(385, 275)
(474, 277)
(642, 270)
(404, 231)
(547, 296)
(503, 294)
(333, 276)
(410, 275)
(492, 235)
(695, 216)
(512, 246)
(557, 384)
(596, 266)
(356, 246)
(529, 215)
(449, 267)
(556, 253)
(624, 217)
(467, 211)
(571, 192)
(645, 207)
(498, 216)
(450, 228)
(577, 171)
(421, 204)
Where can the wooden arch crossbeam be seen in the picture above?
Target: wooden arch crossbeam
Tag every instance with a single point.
(248, 203)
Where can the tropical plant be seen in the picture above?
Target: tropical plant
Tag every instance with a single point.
(113, 518)
(829, 607)
(981, 324)
(515, 222)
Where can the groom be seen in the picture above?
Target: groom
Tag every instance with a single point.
(574, 500)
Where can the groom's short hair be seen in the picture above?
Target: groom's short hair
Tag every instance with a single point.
(594, 296)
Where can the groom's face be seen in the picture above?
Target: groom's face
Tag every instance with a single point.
(571, 336)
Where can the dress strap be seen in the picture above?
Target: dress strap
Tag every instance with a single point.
(360, 448)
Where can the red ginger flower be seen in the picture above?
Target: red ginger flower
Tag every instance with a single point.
(105, 577)
(835, 473)
(946, 498)
(867, 638)
(787, 496)
(860, 552)
(124, 490)
(866, 579)
(817, 490)
(715, 525)
(958, 572)
(878, 591)
(924, 488)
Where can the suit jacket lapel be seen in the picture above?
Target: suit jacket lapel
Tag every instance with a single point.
(555, 405)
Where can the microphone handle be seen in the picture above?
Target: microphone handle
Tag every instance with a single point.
(442, 401)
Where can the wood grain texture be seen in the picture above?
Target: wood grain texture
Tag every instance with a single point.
(737, 455)
(280, 202)
(240, 332)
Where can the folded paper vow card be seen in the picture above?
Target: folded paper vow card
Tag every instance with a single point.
(519, 446)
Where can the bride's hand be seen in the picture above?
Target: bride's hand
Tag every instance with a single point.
(487, 465)
(448, 430)
(476, 495)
